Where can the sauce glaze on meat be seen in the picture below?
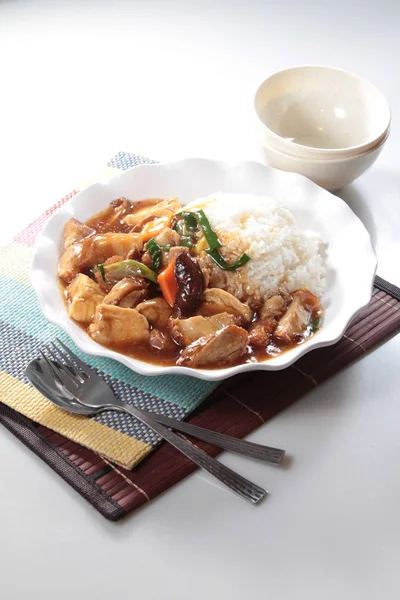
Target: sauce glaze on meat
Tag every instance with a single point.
(133, 277)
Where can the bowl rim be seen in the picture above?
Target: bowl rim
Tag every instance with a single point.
(90, 347)
(312, 151)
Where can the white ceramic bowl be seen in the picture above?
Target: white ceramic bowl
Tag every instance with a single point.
(317, 112)
(331, 174)
(350, 258)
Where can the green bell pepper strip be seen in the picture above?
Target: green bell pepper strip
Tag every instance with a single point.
(191, 219)
(208, 231)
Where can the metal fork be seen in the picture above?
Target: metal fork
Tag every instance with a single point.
(78, 380)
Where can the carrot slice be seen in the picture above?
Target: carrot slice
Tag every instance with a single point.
(154, 227)
(168, 283)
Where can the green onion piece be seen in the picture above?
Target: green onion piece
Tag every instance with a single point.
(180, 228)
(315, 324)
(101, 269)
(221, 262)
(155, 252)
(187, 241)
(127, 268)
(190, 221)
(208, 231)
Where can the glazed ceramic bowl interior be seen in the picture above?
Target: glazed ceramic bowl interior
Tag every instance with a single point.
(315, 111)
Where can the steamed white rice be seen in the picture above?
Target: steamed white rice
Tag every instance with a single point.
(282, 254)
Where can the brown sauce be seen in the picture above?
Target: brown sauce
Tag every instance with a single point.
(106, 221)
(148, 354)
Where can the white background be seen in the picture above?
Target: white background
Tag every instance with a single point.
(80, 81)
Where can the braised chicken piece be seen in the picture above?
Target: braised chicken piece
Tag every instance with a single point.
(172, 204)
(157, 311)
(147, 260)
(83, 296)
(177, 251)
(128, 292)
(161, 341)
(213, 276)
(119, 290)
(222, 347)
(116, 325)
(99, 248)
(75, 231)
(296, 319)
(168, 237)
(153, 223)
(273, 308)
(106, 287)
(161, 208)
(260, 332)
(187, 331)
(151, 219)
(134, 298)
(216, 301)
(70, 262)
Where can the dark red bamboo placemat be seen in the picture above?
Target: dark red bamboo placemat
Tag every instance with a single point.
(237, 407)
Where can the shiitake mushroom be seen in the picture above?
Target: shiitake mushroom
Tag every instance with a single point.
(190, 284)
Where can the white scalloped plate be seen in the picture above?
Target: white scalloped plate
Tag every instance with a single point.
(351, 261)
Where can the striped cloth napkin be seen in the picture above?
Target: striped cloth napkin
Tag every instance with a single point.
(118, 437)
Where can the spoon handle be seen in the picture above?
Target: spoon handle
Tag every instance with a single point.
(241, 486)
(221, 440)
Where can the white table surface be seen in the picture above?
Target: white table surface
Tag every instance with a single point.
(83, 80)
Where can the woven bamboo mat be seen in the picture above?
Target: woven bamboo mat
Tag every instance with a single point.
(237, 407)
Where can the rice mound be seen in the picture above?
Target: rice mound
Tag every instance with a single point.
(282, 255)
